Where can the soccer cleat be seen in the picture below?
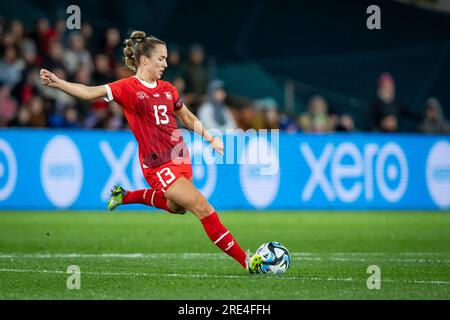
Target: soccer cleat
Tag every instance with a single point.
(117, 194)
(253, 263)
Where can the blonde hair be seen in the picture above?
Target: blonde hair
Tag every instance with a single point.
(138, 45)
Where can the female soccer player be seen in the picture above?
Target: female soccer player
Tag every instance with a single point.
(150, 106)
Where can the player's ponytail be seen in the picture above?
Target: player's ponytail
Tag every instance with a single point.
(139, 44)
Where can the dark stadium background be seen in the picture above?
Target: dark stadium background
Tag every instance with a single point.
(321, 47)
(346, 196)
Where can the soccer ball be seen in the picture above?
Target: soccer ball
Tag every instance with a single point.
(275, 258)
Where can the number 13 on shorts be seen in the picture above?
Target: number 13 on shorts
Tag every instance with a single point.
(165, 176)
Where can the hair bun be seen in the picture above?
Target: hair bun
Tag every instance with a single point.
(138, 36)
(129, 43)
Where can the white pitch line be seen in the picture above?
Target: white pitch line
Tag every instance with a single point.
(381, 253)
(110, 255)
(295, 256)
(144, 274)
(400, 260)
(176, 275)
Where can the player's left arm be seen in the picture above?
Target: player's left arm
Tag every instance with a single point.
(191, 122)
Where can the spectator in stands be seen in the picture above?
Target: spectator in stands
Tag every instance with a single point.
(55, 56)
(60, 30)
(173, 69)
(257, 120)
(214, 113)
(71, 118)
(173, 73)
(22, 118)
(196, 77)
(87, 33)
(37, 113)
(26, 89)
(243, 111)
(8, 106)
(267, 114)
(77, 55)
(115, 120)
(103, 72)
(316, 119)
(179, 83)
(11, 66)
(97, 118)
(9, 39)
(345, 123)
(112, 47)
(43, 35)
(17, 30)
(2, 27)
(271, 114)
(29, 53)
(385, 111)
(434, 122)
(56, 118)
(288, 123)
(83, 76)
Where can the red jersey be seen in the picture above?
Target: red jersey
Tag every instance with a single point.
(150, 111)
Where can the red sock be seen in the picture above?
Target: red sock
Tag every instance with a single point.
(149, 197)
(223, 238)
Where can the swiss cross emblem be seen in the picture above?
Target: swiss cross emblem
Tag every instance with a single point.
(141, 95)
(168, 95)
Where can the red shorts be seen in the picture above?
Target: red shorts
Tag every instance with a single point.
(160, 178)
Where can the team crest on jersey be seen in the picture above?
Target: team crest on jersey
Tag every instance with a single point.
(142, 95)
(168, 95)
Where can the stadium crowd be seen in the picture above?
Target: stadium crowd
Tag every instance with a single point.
(89, 58)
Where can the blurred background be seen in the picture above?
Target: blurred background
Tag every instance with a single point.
(358, 173)
(298, 66)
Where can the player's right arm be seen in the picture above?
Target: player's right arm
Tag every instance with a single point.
(76, 90)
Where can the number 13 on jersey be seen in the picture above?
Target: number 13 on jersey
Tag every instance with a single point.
(161, 114)
(165, 176)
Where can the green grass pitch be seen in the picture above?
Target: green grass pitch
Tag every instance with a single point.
(153, 255)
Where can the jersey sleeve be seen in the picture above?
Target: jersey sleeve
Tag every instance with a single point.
(177, 102)
(116, 91)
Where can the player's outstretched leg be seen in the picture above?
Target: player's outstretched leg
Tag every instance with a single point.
(148, 197)
(186, 195)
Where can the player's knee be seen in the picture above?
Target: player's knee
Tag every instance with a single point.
(202, 207)
(175, 208)
(180, 211)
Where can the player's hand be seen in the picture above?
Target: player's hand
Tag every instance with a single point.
(48, 78)
(217, 144)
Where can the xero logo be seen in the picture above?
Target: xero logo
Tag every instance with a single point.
(345, 172)
(8, 170)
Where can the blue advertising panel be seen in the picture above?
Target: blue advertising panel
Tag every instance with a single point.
(51, 169)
